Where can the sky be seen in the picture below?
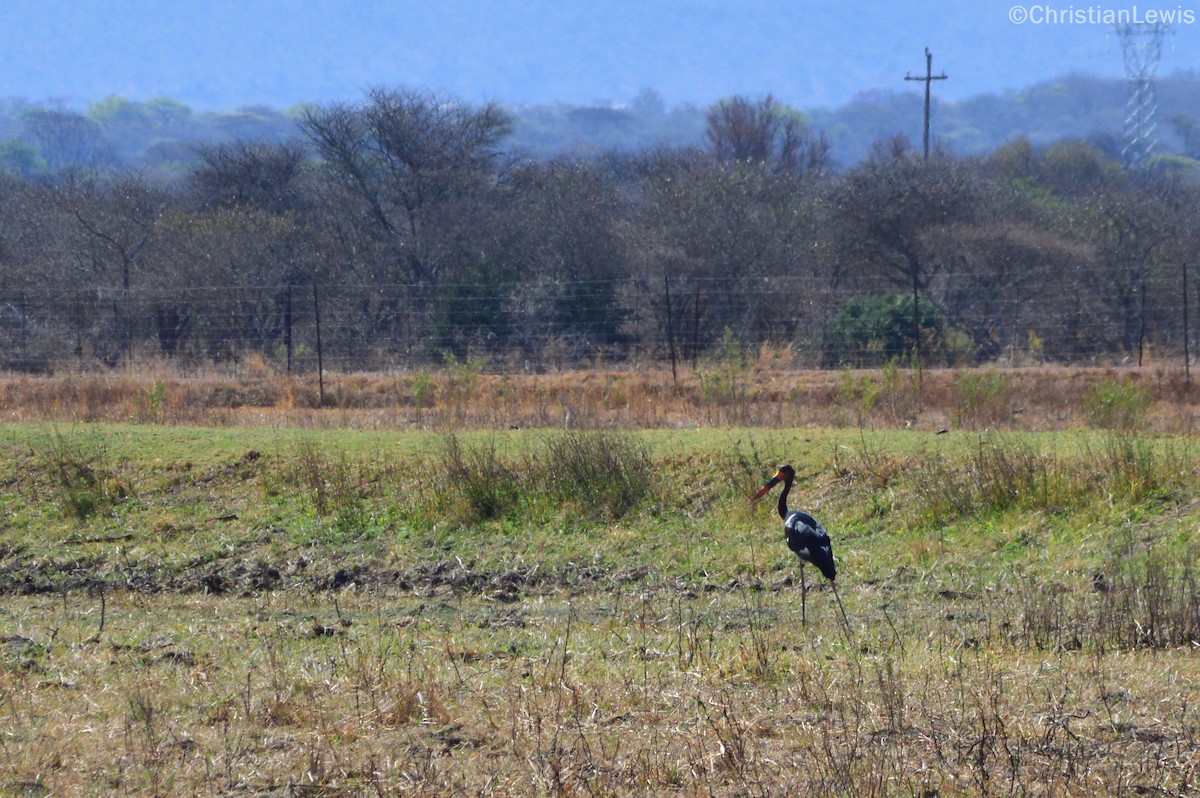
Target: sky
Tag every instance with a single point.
(224, 54)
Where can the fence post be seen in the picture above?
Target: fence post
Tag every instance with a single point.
(287, 328)
(320, 354)
(1187, 356)
(23, 317)
(670, 326)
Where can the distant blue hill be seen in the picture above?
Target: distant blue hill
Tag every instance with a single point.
(159, 136)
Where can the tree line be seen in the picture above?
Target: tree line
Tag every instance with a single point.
(399, 230)
(157, 136)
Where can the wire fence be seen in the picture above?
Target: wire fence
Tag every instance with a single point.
(532, 327)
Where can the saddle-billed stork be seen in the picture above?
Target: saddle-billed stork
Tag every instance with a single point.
(804, 534)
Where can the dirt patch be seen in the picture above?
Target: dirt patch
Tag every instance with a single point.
(245, 577)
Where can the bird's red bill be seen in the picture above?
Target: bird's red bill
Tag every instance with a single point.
(762, 491)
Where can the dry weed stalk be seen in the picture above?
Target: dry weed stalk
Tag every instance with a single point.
(462, 395)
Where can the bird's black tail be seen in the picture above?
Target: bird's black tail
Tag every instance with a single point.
(822, 557)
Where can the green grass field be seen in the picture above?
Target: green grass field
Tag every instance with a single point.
(312, 612)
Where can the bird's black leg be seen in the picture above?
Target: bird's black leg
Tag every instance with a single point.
(803, 597)
(845, 620)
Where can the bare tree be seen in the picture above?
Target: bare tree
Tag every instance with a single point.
(1132, 231)
(114, 224)
(250, 174)
(112, 233)
(405, 154)
(763, 132)
(562, 238)
(65, 138)
(718, 232)
(1003, 282)
(887, 207)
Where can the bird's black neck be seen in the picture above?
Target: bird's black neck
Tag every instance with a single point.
(782, 506)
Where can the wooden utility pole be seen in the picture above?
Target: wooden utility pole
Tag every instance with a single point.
(927, 80)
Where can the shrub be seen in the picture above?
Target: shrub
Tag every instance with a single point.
(1113, 405)
(334, 484)
(479, 478)
(872, 330)
(725, 382)
(980, 398)
(607, 473)
(995, 477)
(860, 395)
(80, 470)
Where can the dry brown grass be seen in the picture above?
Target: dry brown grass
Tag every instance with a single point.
(301, 654)
(642, 692)
(1035, 398)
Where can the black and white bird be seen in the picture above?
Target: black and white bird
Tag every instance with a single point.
(804, 534)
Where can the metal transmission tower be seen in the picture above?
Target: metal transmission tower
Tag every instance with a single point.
(1141, 45)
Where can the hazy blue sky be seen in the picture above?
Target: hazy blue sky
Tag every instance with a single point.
(219, 54)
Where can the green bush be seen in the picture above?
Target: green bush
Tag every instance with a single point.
(1120, 406)
(488, 485)
(870, 331)
(83, 476)
(602, 475)
(606, 474)
(980, 398)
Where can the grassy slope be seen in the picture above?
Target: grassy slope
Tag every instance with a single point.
(92, 504)
(380, 612)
